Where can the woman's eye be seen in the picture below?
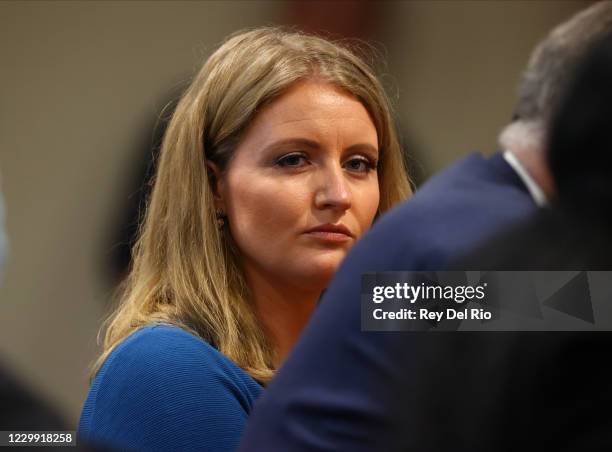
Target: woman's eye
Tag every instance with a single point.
(359, 165)
(292, 161)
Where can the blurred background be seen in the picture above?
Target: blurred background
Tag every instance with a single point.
(82, 85)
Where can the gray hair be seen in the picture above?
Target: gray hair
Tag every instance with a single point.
(553, 61)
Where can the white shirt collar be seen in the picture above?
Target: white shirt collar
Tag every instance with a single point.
(534, 189)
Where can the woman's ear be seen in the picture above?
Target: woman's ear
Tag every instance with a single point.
(215, 179)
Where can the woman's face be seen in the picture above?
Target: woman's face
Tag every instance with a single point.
(302, 186)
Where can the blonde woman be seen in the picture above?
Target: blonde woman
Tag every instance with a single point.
(278, 158)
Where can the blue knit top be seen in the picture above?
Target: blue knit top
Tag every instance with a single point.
(165, 389)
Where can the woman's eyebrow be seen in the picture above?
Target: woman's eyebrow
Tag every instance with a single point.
(311, 144)
(294, 142)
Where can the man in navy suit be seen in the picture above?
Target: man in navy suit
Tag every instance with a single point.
(339, 388)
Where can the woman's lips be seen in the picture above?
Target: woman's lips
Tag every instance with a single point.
(330, 233)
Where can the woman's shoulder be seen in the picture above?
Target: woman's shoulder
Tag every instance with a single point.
(156, 338)
(161, 381)
(171, 353)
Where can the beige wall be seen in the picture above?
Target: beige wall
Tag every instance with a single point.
(456, 65)
(80, 81)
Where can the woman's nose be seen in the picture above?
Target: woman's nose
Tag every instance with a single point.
(333, 191)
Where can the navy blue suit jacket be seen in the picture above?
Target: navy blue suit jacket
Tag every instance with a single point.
(331, 394)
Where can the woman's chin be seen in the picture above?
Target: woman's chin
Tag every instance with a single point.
(319, 272)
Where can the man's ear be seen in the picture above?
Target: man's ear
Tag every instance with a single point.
(216, 182)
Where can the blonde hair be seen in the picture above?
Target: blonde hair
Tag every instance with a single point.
(186, 271)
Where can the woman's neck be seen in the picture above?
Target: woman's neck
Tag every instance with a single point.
(283, 311)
